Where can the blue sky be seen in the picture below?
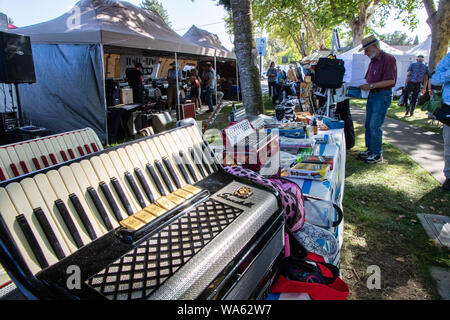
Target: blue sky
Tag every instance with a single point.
(182, 13)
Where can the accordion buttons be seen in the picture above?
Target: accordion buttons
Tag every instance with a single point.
(183, 194)
(132, 224)
(165, 203)
(144, 216)
(155, 210)
(175, 199)
(191, 189)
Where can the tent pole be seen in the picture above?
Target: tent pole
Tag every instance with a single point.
(215, 71)
(178, 88)
(237, 80)
(104, 94)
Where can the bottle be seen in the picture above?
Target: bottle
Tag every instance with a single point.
(315, 127)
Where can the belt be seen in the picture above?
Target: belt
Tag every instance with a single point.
(380, 89)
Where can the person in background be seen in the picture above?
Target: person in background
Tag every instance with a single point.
(196, 84)
(209, 84)
(381, 77)
(172, 99)
(272, 79)
(417, 75)
(292, 73)
(135, 79)
(441, 76)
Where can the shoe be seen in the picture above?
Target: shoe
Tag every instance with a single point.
(364, 155)
(446, 185)
(374, 159)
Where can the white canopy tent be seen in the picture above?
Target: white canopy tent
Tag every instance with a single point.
(356, 64)
(423, 48)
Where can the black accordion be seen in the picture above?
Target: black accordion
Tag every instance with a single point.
(157, 218)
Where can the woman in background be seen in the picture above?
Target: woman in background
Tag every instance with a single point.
(196, 82)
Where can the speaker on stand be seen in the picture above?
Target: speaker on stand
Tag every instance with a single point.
(17, 67)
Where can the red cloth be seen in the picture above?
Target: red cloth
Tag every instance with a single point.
(10, 26)
(382, 67)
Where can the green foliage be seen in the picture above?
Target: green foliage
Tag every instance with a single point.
(158, 7)
(397, 38)
(10, 20)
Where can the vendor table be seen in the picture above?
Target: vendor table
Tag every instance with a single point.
(321, 213)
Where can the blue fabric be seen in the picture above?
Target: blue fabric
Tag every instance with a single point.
(442, 77)
(378, 104)
(418, 72)
(68, 94)
(306, 188)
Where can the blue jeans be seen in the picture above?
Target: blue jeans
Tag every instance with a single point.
(209, 99)
(378, 104)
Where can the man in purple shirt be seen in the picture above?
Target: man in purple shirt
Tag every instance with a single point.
(417, 74)
(381, 77)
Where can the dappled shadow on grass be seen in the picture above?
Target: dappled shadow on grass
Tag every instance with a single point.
(381, 228)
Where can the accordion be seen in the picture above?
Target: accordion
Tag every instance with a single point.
(157, 218)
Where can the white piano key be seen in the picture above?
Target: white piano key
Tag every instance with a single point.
(73, 188)
(183, 145)
(141, 162)
(14, 159)
(49, 196)
(161, 144)
(22, 205)
(130, 163)
(4, 169)
(115, 168)
(26, 155)
(170, 147)
(84, 183)
(9, 213)
(103, 175)
(6, 162)
(38, 154)
(63, 194)
(147, 153)
(94, 179)
(36, 201)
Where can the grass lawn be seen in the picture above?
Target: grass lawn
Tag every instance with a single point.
(381, 227)
(420, 118)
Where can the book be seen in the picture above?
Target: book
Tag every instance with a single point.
(309, 171)
(317, 160)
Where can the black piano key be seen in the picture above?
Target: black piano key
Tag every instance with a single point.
(172, 173)
(134, 187)
(182, 168)
(188, 164)
(205, 164)
(83, 216)
(122, 197)
(164, 175)
(110, 199)
(197, 162)
(100, 208)
(31, 239)
(211, 157)
(51, 237)
(154, 175)
(144, 185)
(69, 223)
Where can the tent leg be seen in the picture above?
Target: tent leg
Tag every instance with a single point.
(215, 70)
(178, 88)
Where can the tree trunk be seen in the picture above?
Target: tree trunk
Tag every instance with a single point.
(357, 27)
(245, 49)
(439, 22)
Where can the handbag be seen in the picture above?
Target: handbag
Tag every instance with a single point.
(423, 99)
(329, 72)
(310, 274)
(433, 105)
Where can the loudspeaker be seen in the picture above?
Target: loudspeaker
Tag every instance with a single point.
(16, 59)
(8, 121)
